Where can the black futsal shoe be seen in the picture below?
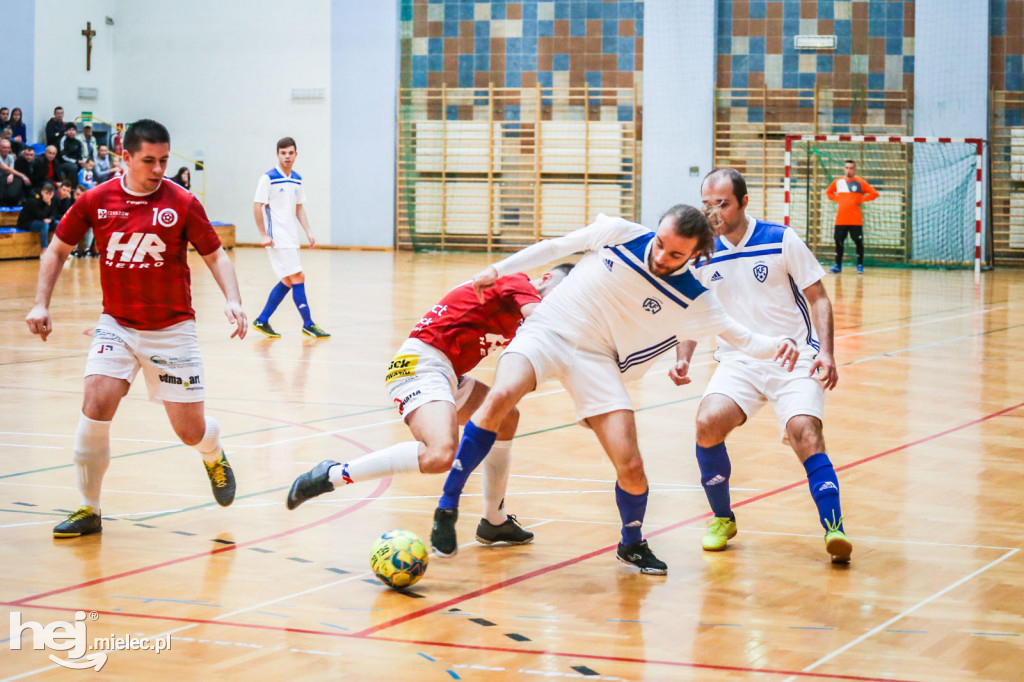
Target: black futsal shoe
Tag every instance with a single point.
(442, 536)
(311, 484)
(509, 532)
(640, 555)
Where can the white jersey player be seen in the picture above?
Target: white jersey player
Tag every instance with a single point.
(631, 298)
(279, 212)
(768, 279)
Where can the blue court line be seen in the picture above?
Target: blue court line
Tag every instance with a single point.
(191, 602)
(46, 359)
(454, 675)
(339, 627)
(432, 660)
(996, 634)
(23, 511)
(271, 613)
(913, 632)
(624, 620)
(541, 617)
(726, 625)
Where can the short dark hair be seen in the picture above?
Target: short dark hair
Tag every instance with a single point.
(739, 183)
(564, 268)
(286, 142)
(47, 187)
(850, 161)
(145, 130)
(56, 108)
(4, 109)
(69, 126)
(691, 223)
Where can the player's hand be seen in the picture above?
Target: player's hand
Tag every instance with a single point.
(679, 373)
(786, 354)
(484, 279)
(312, 242)
(236, 316)
(38, 321)
(265, 240)
(825, 367)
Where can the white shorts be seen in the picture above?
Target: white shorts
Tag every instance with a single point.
(284, 261)
(421, 374)
(752, 384)
(169, 358)
(590, 377)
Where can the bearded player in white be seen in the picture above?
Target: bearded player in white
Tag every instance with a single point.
(768, 279)
(629, 300)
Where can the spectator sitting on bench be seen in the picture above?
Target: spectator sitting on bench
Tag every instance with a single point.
(37, 215)
(26, 164)
(19, 136)
(85, 176)
(72, 153)
(46, 167)
(103, 170)
(55, 127)
(12, 181)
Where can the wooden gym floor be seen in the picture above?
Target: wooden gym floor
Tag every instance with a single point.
(925, 429)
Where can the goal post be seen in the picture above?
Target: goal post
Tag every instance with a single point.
(930, 194)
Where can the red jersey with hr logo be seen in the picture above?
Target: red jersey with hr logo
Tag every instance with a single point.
(466, 330)
(143, 244)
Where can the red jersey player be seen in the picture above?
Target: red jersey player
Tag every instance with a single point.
(428, 383)
(142, 226)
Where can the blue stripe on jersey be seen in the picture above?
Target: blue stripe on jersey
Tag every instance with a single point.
(270, 221)
(274, 174)
(285, 181)
(766, 233)
(641, 356)
(801, 303)
(684, 283)
(740, 254)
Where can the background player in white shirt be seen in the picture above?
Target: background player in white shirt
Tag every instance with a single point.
(279, 213)
(768, 279)
(625, 303)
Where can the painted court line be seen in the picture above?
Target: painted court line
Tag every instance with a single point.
(381, 487)
(912, 609)
(589, 555)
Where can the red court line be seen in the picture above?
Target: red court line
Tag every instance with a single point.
(473, 647)
(589, 555)
(381, 487)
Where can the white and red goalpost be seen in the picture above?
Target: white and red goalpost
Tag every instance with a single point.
(977, 143)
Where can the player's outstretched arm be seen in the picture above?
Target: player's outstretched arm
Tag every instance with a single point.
(50, 267)
(679, 373)
(824, 365)
(257, 214)
(300, 213)
(222, 271)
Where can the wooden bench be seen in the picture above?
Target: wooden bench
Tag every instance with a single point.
(26, 244)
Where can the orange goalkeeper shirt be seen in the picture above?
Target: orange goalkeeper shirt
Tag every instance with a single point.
(850, 194)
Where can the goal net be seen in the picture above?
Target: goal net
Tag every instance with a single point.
(928, 210)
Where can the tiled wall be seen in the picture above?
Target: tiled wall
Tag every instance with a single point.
(875, 50)
(554, 43)
(1007, 45)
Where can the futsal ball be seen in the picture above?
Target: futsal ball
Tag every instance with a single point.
(399, 558)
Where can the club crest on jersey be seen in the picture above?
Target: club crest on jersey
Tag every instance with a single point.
(608, 264)
(652, 305)
(761, 272)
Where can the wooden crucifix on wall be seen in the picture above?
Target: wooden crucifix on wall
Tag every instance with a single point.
(88, 33)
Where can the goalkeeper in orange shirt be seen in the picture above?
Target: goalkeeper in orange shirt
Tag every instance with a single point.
(850, 192)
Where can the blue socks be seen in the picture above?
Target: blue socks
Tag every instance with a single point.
(299, 296)
(715, 469)
(821, 478)
(475, 445)
(631, 510)
(277, 295)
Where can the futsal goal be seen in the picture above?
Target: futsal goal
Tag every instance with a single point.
(928, 210)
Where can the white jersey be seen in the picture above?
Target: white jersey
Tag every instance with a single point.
(282, 194)
(760, 282)
(612, 304)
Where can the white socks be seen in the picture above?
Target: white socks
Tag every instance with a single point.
(92, 457)
(398, 459)
(495, 472)
(209, 447)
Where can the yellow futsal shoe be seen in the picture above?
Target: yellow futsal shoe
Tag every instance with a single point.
(720, 531)
(265, 329)
(837, 544)
(82, 522)
(222, 480)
